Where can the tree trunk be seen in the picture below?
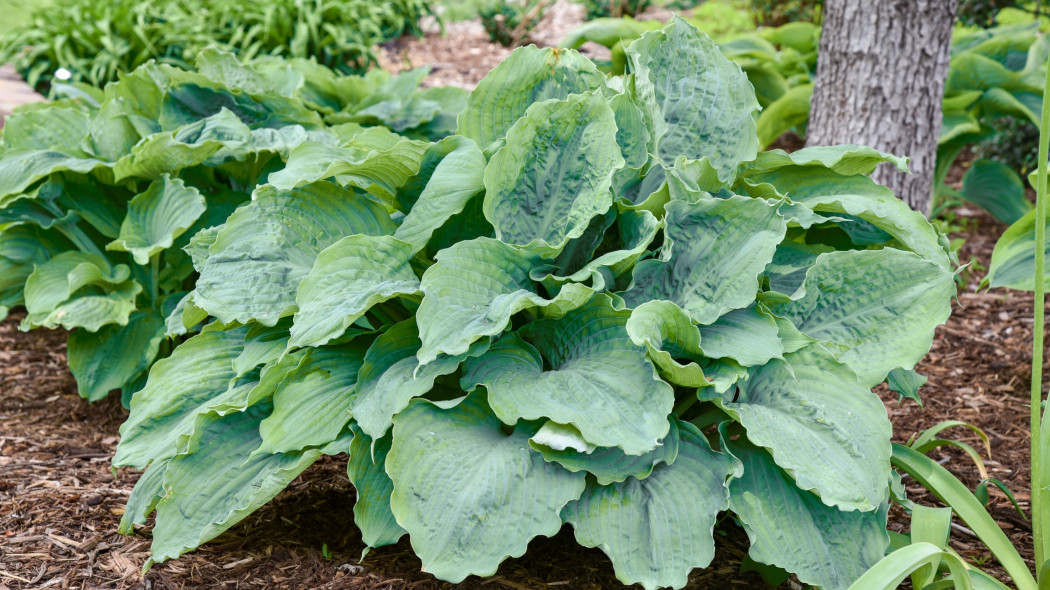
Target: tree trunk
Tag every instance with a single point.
(880, 80)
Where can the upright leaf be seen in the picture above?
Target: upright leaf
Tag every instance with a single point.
(537, 191)
(700, 103)
(456, 169)
(157, 216)
(366, 470)
(528, 76)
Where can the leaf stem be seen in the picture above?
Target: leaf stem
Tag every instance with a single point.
(154, 264)
(1038, 487)
(72, 231)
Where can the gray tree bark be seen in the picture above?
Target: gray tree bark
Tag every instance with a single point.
(880, 80)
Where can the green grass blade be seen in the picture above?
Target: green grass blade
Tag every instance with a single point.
(1039, 491)
(889, 572)
(952, 492)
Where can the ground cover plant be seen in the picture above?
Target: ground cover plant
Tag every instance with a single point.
(95, 41)
(99, 194)
(592, 305)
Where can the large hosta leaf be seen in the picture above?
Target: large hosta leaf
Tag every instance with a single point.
(157, 216)
(635, 231)
(537, 191)
(167, 406)
(792, 529)
(593, 363)
(468, 494)
(718, 247)
(657, 530)
(700, 103)
(347, 279)
(528, 76)
(391, 376)
(116, 355)
(997, 188)
(379, 170)
(821, 426)
(875, 309)
(209, 491)
(841, 159)
(79, 290)
(744, 335)
(311, 405)
(183, 148)
(826, 191)
(474, 289)
(366, 470)
(258, 259)
(1013, 260)
(455, 169)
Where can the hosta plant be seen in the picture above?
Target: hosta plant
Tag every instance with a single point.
(100, 194)
(596, 304)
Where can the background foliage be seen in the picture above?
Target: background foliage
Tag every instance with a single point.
(94, 41)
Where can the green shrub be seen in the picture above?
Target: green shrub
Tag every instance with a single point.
(100, 195)
(1015, 142)
(773, 13)
(614, 8)
(592, 306)
(94, 41)
(509, 22)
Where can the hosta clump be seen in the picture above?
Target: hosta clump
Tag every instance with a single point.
(100, 194)
(596, 304)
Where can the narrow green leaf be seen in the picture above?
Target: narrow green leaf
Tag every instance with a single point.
(366, 470)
